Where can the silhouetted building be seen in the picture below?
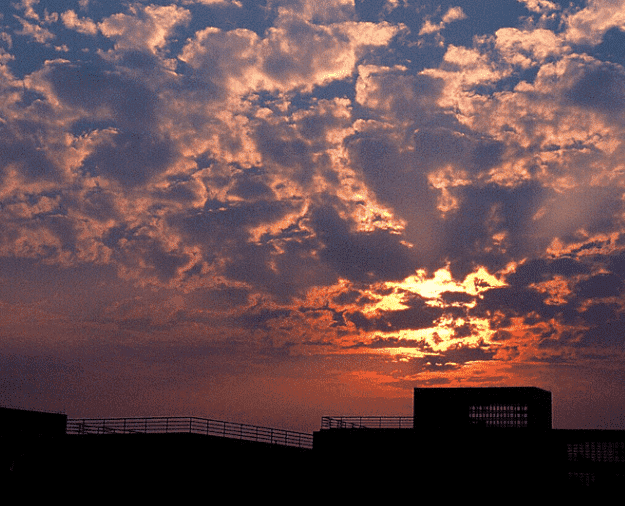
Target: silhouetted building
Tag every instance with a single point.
(460, 441)
(30, 440)
(23, 423)
(467, 440)
(590, 459)
(463, 408)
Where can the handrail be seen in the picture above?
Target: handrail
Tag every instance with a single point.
(193, 425)
(367, 422)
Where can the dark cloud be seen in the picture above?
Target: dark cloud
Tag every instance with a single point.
(360, 256)
(338, 319)
(612, 47)
(260, 319)
(179, 189)
(100, 91)
(599, 286)
(464, 330)
(501, 335)
(229, 222)
(599, 314)
(418, 315)
(513, 301)
(24, 151)
(600, 87)
(360, 320)
(98, 203)
(289, 152)
(138, 60)
(456, 297)
(222, 298)
(349, 297)
(248, 186)
(64, 230)
(538, 270)
(165, 264)
(131, 158)
(399, 180)
(607, 334)
(386, 169)
(389, 342)
(441, 146)
(462, 354)
(484, 212)
(450, 360)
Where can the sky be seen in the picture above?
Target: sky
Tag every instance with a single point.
(270, 211)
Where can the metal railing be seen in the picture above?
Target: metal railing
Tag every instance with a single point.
(367, 422)
(192, 425)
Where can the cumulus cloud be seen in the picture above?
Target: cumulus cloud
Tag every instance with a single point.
(144, 26)
(295, 54)
(82, 25)
(540, 6)
(452, 15)
(28, 6)
(36, 31)
(212, 2)
(314, 184)
(589, 24)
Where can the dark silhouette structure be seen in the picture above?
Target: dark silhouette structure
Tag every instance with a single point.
(30, 440)
(463, 408)
(486, 439)
(459, 441)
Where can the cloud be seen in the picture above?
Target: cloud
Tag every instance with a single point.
(20, 153)
(598, 86)
(213, 2)
(326, 12)
(103, 94)
(395, 94)
(391, 342)
(360, 256)
(526, 48)
(296, 187)
(295, 54)
(28, 7)
(130, 158)
(540, 6)
(453, 14)
(146, 27)
(37, 32)
(81, 25)
(589, 24)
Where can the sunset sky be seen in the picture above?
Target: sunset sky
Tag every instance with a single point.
(269, 211)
